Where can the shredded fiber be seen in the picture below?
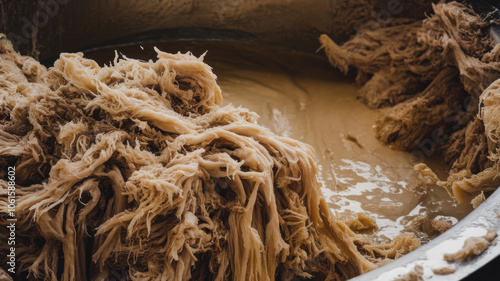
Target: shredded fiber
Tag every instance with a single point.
(431, 76)
(137, 166)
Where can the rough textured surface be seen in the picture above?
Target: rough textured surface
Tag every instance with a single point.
(351, 16)
(413, 275)
(359, 221)
(137, 165)
(441, 225)
(431, 75)
(473, 246)
(444, 270)
(385, 252)
(4, 276)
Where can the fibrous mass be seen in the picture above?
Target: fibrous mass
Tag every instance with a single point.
(438, 77)
(137, 168)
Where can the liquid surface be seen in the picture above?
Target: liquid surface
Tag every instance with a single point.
(302, 97)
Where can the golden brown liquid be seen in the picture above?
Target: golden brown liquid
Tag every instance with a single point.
(302, 97)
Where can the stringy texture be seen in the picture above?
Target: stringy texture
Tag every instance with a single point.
(350, 16)
(473, 246)
(137, 166)
(429, 76)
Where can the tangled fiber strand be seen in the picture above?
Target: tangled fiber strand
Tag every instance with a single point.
(138, 166)
(350, 16)
(430, 75)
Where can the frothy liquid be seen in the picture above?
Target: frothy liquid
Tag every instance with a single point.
(302, 97)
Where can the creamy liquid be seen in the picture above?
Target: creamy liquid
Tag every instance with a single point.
(302, 97)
